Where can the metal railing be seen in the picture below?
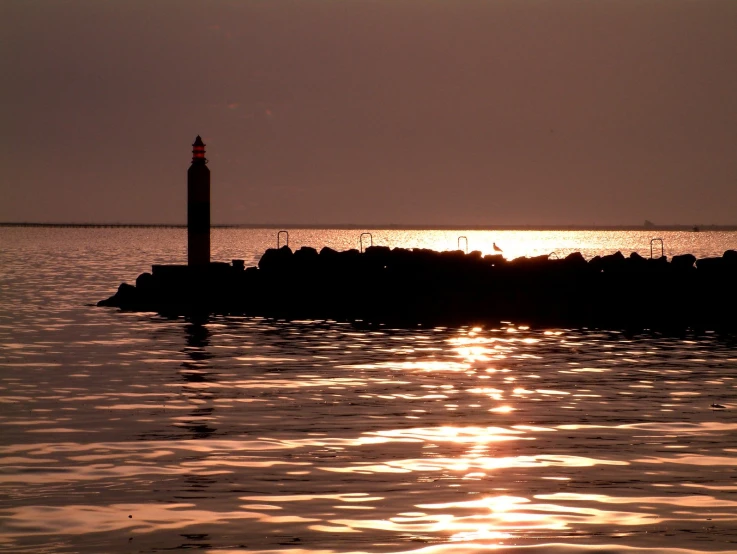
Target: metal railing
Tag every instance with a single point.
(662, 247)
(278, 238)
(459, 242)
(360, 240)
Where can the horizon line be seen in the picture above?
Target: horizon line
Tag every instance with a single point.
(391, 226)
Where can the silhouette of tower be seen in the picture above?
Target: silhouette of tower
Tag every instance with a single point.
(198, 207)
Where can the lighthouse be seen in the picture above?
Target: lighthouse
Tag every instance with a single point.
(198, 208)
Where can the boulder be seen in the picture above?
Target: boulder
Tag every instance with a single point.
(711, 264)
(636, 261)
(349, 259)
(144, 281)
(575, 259)
(730, 257)
(535, 262)
(595, 264)
(306, 254)
(683, 262)
(612, 262)
(275, 259)
(494, 259)
(658, 263)
(126, 295)
(378, 251)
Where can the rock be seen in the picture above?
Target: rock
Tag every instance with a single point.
(575, 259)
(378, 251)
(125, 290)
(144, 281)
(730, 257)
(613, 262)
(107, 303)
(453, 256)
(636, 262)
(306, 257)
(274, 260)
(710, 264)
(306, 252)
(661, 262)
(348, 260)
(682, 262)
(126, 295)
(495, 259)
(530, 264)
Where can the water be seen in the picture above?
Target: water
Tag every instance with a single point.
(133, 433)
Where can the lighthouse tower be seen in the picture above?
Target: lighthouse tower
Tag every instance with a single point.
(198, 208)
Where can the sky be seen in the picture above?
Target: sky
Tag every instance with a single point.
(403, 112)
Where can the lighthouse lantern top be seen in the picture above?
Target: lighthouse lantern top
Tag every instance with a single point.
(198, 150)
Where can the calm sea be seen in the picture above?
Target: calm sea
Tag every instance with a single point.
(127, 432)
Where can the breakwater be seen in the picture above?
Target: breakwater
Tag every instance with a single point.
(406, 287)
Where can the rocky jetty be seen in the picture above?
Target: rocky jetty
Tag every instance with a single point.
(405, 287)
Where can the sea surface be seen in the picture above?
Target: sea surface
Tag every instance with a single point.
(128, 432)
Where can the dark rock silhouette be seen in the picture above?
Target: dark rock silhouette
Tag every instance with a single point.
(276, 259)
(712, 265)
(144, 281)
(730, 257)
(684, 261)
(404, 287)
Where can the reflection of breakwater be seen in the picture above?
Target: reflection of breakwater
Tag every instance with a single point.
(401, 286)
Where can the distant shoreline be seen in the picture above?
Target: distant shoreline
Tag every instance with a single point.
(390, 227)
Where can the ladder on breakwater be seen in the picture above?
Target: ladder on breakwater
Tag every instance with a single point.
(360, 240)
(459, 242)
(662, 247)
(278, 238)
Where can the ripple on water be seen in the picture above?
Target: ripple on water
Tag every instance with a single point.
(312, 436)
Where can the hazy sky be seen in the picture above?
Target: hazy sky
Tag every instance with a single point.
(371, 112)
